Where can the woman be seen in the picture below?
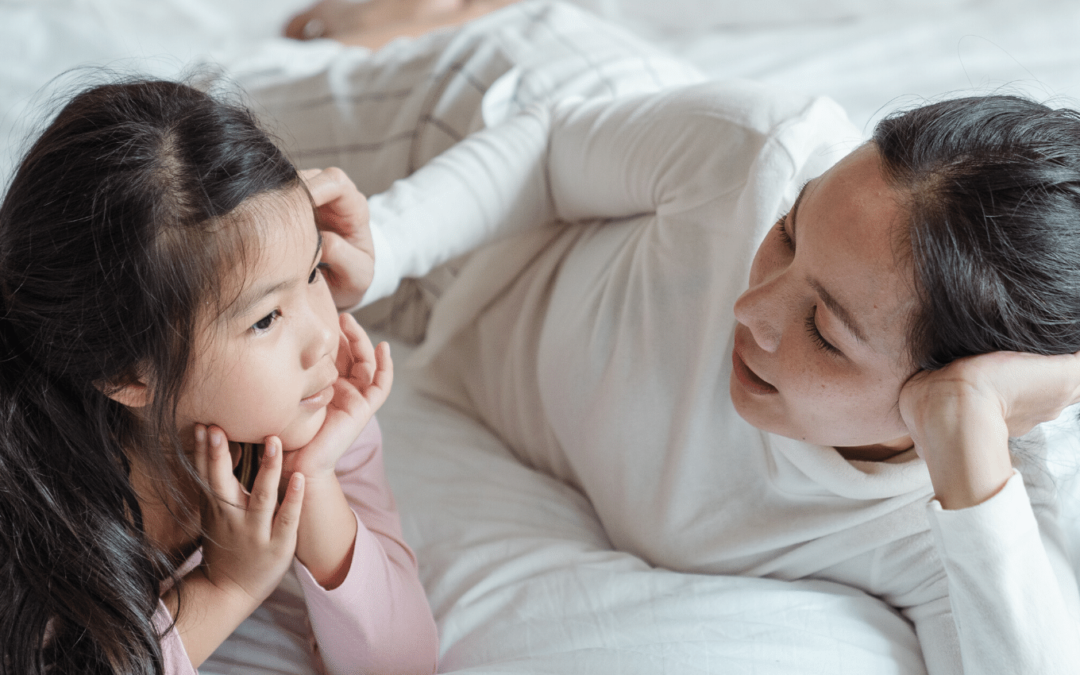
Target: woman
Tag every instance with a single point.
(759, 355)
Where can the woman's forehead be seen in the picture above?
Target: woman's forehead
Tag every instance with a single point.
(850, 217)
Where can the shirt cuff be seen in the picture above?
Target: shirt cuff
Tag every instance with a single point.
(996, 524)
(387, 277)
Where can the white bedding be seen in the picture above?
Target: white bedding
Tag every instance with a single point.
(519, 573)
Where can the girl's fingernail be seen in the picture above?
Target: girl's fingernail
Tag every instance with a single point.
(298, 481)
(271, 448)
(215, 438)
(200, 433)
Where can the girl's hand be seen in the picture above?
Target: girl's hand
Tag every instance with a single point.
(365, 375)
(348, 248)
(962, 416)
(247, 548)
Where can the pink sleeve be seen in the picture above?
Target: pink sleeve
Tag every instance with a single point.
(175, 656)
(378, 620)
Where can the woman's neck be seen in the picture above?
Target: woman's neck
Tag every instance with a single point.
(879, 452)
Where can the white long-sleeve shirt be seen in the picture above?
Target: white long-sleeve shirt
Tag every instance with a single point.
(600, 352)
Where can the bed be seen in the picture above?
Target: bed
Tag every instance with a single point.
(520, 575)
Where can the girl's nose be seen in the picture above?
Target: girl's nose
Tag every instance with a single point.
(321, 336)
(759, 309)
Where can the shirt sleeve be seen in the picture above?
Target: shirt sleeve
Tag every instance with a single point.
(1012, 595)
(581, 159)
(177, 661)
(378, 620)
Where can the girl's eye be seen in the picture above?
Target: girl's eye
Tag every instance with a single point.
(263, 324)
(817, 337)
(782, 232)
(315, 273)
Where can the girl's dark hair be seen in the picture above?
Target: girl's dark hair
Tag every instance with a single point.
(992, 189)
(113, 234)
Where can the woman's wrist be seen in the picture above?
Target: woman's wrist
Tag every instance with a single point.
(965, 443)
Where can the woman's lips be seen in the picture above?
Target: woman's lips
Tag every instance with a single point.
(748, 378)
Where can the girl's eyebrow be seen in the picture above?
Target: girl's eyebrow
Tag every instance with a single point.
(251, 297)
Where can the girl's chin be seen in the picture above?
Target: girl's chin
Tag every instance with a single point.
(299, 435)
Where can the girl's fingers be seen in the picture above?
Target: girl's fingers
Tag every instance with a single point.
(288, 515)
(361, 350)
(219, 467)
(201, 450)
(264, 490)
(383, 379)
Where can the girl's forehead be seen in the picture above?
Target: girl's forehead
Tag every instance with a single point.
(274, 239)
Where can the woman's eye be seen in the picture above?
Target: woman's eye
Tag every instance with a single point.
(781, 231)
(263, 324)
(319, 269)
(817, 337)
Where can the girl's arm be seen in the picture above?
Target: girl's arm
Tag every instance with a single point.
(377, 620)
(367, 607)
(246, 552)
(1013, 600)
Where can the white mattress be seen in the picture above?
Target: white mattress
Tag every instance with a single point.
(519, 573)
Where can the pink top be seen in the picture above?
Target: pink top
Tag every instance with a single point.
(378, 620)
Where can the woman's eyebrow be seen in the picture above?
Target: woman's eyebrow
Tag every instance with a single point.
(841, 312)
(795, 208)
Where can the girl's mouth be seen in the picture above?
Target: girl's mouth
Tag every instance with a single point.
(748, 378)
(320, 398)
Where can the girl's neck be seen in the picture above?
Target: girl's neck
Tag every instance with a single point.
(172, 527)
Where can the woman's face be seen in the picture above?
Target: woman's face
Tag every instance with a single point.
(820, 341)
(266, 365)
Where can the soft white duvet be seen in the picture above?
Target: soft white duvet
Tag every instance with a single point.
(519, 573)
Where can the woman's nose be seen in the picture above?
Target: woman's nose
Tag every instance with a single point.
(759, 310)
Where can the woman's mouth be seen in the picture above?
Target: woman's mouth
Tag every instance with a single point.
(748, 378)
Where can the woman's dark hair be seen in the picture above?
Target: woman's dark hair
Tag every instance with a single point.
(113, 234)
(992, 191)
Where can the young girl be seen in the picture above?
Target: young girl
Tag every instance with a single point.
(162, 301)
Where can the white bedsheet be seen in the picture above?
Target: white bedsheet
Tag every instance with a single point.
(519, 573)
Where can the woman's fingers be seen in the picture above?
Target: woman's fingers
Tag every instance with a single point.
(348, 247)
(350, 270)
(342, 208)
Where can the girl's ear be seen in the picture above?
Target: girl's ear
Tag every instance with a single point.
(132, 391)
(132, 395)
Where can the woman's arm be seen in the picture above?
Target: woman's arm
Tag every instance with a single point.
(583, 159)
(1014, 609)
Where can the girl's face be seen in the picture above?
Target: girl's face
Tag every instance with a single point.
(820, 351)
(266, 365)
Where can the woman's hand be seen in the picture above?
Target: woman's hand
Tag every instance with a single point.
(247, 548)
(348, 248)
(365, 375)
(962, 416)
